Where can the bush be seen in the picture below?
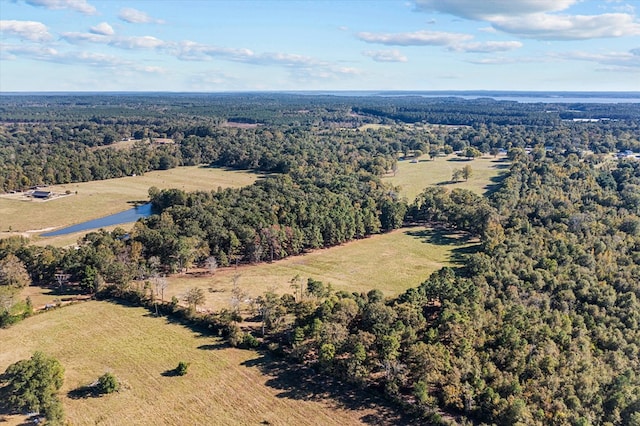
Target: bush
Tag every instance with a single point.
(181, 369)
(249, 341)
(108, 383)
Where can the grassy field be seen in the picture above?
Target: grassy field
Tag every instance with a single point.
(224, 386)
(91, 200)
(391, 262)
(414, 177)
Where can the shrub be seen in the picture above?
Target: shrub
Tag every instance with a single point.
(249, 341)
(108, 383)
(181, 369)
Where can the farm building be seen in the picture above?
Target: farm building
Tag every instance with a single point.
(41, 194)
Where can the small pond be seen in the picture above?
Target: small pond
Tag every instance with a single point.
(126, 216)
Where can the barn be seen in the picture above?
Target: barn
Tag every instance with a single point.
(43, 195)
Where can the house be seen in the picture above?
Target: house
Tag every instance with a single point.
(41, 194)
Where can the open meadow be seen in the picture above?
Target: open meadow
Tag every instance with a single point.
(412, 177)
(223, 386)
(391, 262)
(92, 200)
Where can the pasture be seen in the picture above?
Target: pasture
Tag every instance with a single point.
(92, 200)
(223, 386)
(391, 262)
(412, 178)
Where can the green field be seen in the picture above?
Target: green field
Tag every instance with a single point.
(390, 262)
(224, 386)
(414, 177)
(91, 200)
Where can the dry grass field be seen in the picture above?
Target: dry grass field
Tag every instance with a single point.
(223, 386)
(91, 200)
(414, 177)
(390, 262)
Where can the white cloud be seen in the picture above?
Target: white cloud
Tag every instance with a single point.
(134, 16)
(302, 67)
(537, 19)
(26, 30)
(93, 59)
(385, 55)
(487, 46)
(85, 37)
(103, 29)
(569, 27)
(487, 9)
(48, 54)
(78, 5)
(152, 69)
(417, 38)
(614, 60)
(13, 51)
(143, 42)
(191, 51)
(494, 61)
(129, 43)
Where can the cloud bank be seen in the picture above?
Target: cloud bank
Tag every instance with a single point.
(537, 19)
(76, 5)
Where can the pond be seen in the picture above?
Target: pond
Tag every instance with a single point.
(126, 216)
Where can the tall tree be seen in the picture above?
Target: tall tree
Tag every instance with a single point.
(13, 272)
(32, 385)
(194, 297)
(467, 172)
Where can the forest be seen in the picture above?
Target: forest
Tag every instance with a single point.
(540, 325)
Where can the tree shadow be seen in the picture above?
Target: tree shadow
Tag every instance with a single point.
(66, 290)
(441, 236)
(84, 392)
(170, 373)
(496, 183)
(215, 347)
(447, 237)
(299, 382)
(460, 159)
(459, 255)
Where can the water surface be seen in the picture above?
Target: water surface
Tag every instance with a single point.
(126, 216)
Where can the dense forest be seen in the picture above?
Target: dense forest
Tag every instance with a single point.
(540, 325)
(61, 139)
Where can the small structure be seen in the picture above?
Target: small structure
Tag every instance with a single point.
(41, 194)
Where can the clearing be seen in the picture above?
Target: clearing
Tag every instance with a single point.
(92, 200)
(391, 262)
(413, 177)
(223, 386)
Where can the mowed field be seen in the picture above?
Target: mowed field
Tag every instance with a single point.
(224, 386)
(92, 200)
(391, 262)
(412, 178)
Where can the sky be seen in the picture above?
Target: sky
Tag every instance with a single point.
(294, 45)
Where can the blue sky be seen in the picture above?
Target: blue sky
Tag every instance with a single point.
(242, 45)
